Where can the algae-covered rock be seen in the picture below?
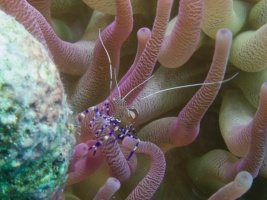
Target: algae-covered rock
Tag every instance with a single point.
(35, 139)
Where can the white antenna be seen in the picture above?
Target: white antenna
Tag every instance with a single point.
(137, 86)
(115, 74)
(193, 85)
(110, 66)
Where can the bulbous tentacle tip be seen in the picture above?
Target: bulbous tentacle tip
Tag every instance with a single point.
(234, 189)
(108, 189)
(115, 183)
(244, 180)
(264, 88)
(224, 33)
(144, 33)
(81, 149)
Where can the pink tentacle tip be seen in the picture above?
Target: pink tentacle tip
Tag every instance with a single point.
(108, 189)
(224, 33)
(144, 32)
(235, 189)
(244, 179)
(264, 87)
(115, 183)
(80, 150)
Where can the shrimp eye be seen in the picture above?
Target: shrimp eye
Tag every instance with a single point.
(132, 113)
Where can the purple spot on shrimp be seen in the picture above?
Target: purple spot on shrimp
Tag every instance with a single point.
(111, 132)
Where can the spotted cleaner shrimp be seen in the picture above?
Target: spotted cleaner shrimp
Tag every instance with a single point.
(121, 122)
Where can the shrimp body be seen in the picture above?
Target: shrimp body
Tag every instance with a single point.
(120, 123)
